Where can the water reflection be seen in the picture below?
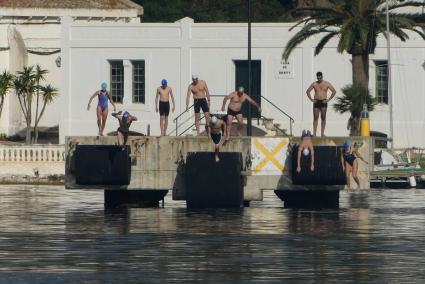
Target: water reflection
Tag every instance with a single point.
(49, 235)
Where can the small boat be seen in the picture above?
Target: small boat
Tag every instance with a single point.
(391, 170)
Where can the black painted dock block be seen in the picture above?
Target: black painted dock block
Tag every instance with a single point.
(327, 167)
(211, 184)
(102, 165)
(309, 198)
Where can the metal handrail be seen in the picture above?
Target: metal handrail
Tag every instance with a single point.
(291, 120)
(176, 120)
(191, 126)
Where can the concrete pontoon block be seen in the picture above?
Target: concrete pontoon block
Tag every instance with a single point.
(102, 165)
(327, 167)
(211, 184)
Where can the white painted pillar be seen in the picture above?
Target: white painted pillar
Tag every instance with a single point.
(128, 86)
(66, 94)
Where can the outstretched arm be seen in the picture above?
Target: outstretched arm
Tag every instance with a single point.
(188, 97)
(333, 92)
(312, 156)
(207, 93)
(116, 114)
(308, 92)
(299, 159)
(251, 101)
(156, 100)
(133, 118)
(359, 156)
(172, 99)
(342, 160)
(112, 101)
(226, 98)
(91, 99)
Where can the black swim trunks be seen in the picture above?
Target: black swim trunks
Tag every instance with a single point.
(320, 104)
(216, 138)
(199, 104)
(232, 112)
(164, 108)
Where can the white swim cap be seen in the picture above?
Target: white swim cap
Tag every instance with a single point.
(306, 152)
(213, 120)
(195, 77)
(241, 89)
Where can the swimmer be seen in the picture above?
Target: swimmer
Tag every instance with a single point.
(320, 101)
(234, 108)
(216, 128)
(125, 120)
(201, 100)
(164, 93)
(350, 163)
(306, 148)
(104, 96)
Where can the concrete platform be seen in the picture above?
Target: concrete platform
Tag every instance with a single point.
(158, 163)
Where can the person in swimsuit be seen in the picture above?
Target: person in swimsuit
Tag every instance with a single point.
(125, 120)
(350, 164)
(305, 148)
(201, 100)
(164, 93)
(320, 101)
(234, 109)
(104, 96)
(216, 129)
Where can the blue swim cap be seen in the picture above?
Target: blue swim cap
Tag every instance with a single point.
(164, 82)
(103, 86)
(125, 114)
(346, 145)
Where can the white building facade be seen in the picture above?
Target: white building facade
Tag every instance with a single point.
(135, 57)
(30, 34)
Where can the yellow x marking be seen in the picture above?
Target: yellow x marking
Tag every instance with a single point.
(269, 156)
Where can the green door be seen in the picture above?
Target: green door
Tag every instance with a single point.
(241, 69)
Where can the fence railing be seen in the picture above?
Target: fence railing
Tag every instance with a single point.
(32, 153)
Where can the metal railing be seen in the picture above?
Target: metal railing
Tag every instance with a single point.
(178, 118)
(291, 119)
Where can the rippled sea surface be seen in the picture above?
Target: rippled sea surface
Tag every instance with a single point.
(53, 235)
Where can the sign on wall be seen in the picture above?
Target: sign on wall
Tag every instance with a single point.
(284, 69)
(268, 155)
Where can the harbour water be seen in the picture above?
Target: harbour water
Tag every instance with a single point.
(53, 235)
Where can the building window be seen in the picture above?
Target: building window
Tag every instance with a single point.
(117, 80)
(382, 81)
(138, 81)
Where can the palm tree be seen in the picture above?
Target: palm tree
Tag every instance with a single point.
(357, 25)
(353, 99)
(38, 76)
(25, 86)
(48, 94)
(6, 80)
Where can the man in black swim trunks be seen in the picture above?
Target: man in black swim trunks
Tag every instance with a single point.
(234, 109)
(216, 128)
(201, 100)
(320, 101)
(125, 120)
(164, 93)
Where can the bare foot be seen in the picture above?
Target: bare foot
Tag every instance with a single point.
(298, 169)
(312, 168)
(217, 159)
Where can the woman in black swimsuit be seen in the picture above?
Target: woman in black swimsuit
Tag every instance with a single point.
(350, 163)
(125, 120)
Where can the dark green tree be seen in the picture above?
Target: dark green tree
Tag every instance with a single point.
(356, 24)
(216, 11)
(352, 101)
